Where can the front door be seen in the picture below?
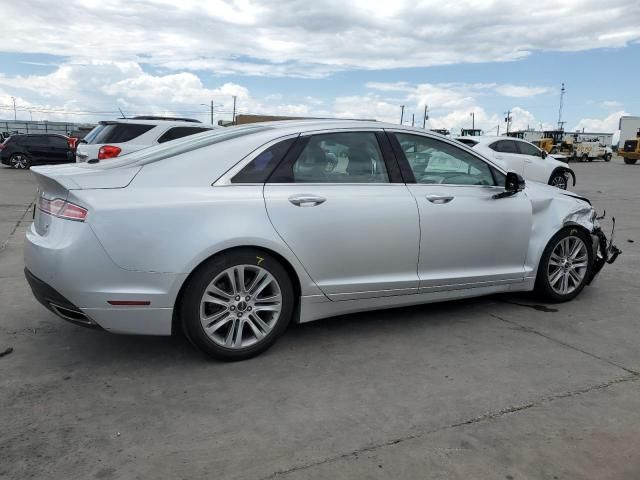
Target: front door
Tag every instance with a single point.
(337, 207)
(468, 238)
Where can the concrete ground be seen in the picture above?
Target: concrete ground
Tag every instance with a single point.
(491, 388)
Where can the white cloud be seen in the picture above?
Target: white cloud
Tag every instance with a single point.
(611, 104)
(301, 38)
(520, 91)
(608, 124)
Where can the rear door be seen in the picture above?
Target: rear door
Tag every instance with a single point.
(339, 203)
(468, 238)
(59, 151)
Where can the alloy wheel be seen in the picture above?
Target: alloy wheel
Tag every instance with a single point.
(560, 181)
(19, 161)
(568, 265)
(241, 306)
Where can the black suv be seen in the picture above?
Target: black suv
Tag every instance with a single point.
(23, 151)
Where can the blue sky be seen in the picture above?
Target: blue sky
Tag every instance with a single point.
(327, 58)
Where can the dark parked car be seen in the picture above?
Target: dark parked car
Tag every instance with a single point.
(23, 151)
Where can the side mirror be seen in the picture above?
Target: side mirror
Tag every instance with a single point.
(514, 183)
(544, 154)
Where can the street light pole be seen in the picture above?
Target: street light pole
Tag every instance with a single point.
(234, 110)
(401, 114)
(473, 120)
(426, 116)
(15, 117)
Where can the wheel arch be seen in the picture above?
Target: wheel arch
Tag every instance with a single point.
(286, 264)
(558, 170)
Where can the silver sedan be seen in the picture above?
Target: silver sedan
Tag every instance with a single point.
(232, 234)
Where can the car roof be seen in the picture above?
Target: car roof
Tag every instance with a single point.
(38, 135)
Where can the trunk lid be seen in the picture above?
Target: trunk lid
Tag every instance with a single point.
(83, 176)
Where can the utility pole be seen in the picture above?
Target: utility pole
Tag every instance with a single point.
(413, 119)
(401, 114)
(234, 110)
(15, 117)
(211, 112)
(426, 117)
(560, 122)
(473, 120)
(498, 132)
(508, 120)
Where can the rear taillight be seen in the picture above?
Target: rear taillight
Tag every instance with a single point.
(73, 142)
(62, 209)
(108, 151)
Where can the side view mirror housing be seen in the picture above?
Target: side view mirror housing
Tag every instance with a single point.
(544, 154)
(513, 184)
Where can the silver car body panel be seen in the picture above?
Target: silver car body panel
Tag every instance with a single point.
(155, 215)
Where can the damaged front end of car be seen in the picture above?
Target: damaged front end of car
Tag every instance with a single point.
(604, 251)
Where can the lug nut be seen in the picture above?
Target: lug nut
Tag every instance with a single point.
(239, 314)
(247, 298)
(232, 308)
(248, 309)
(238, 298)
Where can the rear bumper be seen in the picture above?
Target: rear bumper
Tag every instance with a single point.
(57, 303)
(71, 275)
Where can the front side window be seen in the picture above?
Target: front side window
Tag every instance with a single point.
(528, 149)
(435, 161)
(349, 157)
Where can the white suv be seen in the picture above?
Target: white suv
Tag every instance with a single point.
(114, 138)
(523, 158)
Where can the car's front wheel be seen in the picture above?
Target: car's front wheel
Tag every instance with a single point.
(559, 180)
(630, 161)
(565, 265)
(237, 304)
(607, 157)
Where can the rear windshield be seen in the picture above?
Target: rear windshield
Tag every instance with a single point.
(116, 132)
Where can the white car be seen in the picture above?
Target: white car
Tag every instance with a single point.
(114, 138)
(523, 158)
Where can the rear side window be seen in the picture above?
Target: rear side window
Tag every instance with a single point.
(504, 146)
(179, 132)
(260, 168)
(119, 133)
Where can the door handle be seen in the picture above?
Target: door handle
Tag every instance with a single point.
(306, 200)
(439, 199)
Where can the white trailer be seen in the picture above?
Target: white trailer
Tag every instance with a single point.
(629, 127)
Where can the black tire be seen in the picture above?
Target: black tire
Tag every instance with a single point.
(607, 157)
(195, 287)
(20, 161)
(543, 287)
(630, 161)
(561, 178)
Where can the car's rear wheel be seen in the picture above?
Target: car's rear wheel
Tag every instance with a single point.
(237, 304)
(559, 180)
(19, 161)
(630, 161)
(565, 265)
(607, 157)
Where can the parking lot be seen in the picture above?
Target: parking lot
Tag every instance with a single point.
(498, 388)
